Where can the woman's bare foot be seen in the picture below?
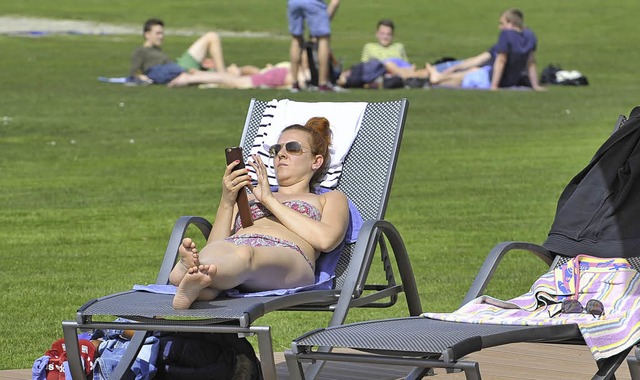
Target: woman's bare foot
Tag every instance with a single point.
(189, 258)
(434, 75)
(233, 69)
(196, 279)
(189, 253)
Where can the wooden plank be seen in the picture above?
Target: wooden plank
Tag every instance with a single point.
(520, 361)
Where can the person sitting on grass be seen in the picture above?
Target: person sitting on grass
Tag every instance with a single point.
(385, 49)
(510, 62)
(292, 226)
(150, 64)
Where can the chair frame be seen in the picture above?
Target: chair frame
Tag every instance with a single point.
(353, 286)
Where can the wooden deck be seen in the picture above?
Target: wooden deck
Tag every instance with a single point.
(521, 361)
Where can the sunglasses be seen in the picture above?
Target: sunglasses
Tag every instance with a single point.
(292, 147)
(573, 306)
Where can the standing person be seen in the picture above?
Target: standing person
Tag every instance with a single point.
(317, 16)
(510, 62)
(150, 64)
(385, 49)
(291, 229)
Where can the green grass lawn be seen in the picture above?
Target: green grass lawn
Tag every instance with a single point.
(93, 175)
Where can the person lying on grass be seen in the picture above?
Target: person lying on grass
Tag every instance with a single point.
(292, 226)
(271, 76)
(150, 64)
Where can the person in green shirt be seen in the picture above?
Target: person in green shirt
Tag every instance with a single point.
(385, 49)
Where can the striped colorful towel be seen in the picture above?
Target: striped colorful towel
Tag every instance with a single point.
(612, 281)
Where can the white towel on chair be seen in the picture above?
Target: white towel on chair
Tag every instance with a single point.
(345, 119)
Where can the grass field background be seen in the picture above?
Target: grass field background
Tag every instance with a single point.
(93, 176)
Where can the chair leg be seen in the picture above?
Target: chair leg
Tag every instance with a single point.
(471, 370)
(296, 372)
(419, 373)
(633, 361)
(265, 348)
(607, 367)
(70, 333)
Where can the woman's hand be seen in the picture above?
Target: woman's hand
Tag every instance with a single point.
(261, 191)
(233, 181)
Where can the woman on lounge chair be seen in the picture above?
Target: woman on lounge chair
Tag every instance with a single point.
(291, 226)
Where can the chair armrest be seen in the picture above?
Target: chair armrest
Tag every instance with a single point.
(493, 259)
(178, 233)
(362, 258)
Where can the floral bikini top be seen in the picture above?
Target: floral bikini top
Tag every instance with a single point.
(258, 210)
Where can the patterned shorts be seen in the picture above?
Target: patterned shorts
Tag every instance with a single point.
(258, 240)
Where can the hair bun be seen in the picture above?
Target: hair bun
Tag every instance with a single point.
(320, 125)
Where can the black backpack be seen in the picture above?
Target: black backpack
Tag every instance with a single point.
(191, 356)
(335, 68)
(554, 74)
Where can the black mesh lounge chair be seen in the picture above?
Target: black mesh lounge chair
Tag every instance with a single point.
(430, 343)
(366, 181)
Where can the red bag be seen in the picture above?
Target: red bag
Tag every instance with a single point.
(58, 356)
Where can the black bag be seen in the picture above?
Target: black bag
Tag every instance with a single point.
(416, 83)
(554, 74)
(335, 68)
(191, 356)
(443, 60)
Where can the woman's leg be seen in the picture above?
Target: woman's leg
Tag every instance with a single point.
(211, 77)
(210, 44)
(258, 268)
(195, 287)
(224, 265)
(406, 72)
(453, 79)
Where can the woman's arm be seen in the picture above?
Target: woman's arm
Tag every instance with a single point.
(323, 235)
(233, 181)
(223, 224)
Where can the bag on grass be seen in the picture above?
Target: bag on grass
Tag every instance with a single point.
(53, 365)
(311, 48)
(554, 74)
(191, 356)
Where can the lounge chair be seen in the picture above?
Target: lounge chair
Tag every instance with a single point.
(366, 178)
(425, 344)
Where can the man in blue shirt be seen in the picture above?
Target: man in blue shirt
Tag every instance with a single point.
(510, 62)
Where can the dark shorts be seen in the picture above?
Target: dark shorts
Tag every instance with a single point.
(162, 74)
